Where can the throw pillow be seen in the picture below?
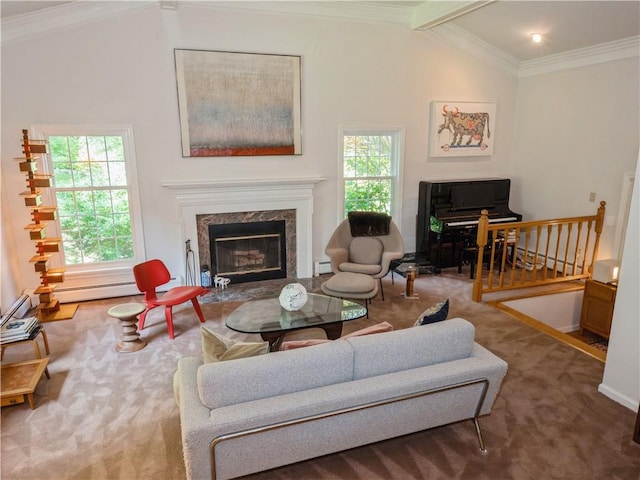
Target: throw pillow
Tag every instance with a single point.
(176, 387)
(377, 328)
(433, 314)
(292, 344)
(216, 348)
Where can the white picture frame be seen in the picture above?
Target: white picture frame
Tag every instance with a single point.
(462, 129)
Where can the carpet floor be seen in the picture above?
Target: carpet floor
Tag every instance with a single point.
(109, 415)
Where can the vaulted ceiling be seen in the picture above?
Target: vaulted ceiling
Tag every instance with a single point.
(504, 26)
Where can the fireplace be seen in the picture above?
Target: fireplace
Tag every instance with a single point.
(204, 202)
(248, 246)
(248, 252)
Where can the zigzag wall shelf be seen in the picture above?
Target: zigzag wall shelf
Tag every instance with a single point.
(49, 307)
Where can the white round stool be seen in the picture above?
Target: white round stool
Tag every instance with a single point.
(128, 313)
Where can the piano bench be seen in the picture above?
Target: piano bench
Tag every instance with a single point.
(469, 253)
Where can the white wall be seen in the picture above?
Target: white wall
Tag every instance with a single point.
(622, 371)
(121, 71)
(560, 311)
(577, 132)
(9, 277)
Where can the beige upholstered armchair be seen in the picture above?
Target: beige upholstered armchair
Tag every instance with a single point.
(356, 248)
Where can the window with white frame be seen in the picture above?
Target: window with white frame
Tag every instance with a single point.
(95, 192)
(371, 162)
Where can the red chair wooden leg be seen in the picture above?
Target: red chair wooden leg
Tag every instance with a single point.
(196, 306)
(169, 316)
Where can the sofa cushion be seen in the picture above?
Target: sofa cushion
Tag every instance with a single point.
(433, 314)
(278, 373)
(366, 250)
(411, 348)
(216, 348)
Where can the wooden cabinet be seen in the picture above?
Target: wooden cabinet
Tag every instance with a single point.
(597, 307)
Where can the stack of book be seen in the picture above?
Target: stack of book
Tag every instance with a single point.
(16, 329)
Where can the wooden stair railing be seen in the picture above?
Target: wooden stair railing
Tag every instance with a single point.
(526, 254)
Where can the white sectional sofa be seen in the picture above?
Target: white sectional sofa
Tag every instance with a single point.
(252, 414)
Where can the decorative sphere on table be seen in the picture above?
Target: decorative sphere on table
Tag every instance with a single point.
(293, 297)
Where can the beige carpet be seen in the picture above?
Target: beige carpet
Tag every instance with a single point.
(108, 415)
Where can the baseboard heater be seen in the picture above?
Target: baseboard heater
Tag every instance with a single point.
(320, 268)
(83, 293)
(551, 261)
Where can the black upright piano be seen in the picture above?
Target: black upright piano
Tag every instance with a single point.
(448, 212)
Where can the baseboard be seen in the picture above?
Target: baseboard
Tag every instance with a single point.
(572, 327)
(618, 397)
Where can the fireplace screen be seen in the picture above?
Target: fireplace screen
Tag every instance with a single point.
(246, 252)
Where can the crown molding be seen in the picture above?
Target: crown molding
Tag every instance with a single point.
(477, 48)
(431, 14)
(581, 57)
(364, 11)
(61, 17)
(602, 53)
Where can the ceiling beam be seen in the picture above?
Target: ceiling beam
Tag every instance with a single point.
(434, 12)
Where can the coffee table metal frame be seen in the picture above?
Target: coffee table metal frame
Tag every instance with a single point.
(272, 322)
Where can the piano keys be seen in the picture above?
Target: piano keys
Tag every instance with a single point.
(465, 223)
(449, 211)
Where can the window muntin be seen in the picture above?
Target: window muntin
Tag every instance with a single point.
(370, 171)
(93, 199)
(95, 192)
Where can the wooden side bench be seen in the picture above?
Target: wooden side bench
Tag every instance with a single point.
(34, 342)
(19, 380)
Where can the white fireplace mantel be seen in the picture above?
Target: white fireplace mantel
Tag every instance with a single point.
(201, 197)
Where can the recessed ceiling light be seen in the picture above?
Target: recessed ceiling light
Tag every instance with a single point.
(536, 37)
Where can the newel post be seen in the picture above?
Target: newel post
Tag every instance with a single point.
(598, 230)
(481, 242)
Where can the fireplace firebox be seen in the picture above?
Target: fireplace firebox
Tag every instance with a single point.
(248, 252)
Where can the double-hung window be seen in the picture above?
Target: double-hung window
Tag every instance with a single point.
(95, 192)
(371, 164)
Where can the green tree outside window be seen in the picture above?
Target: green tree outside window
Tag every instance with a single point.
(92, 198)
(368, 173)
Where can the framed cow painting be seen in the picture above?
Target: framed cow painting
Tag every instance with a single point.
(462, 129)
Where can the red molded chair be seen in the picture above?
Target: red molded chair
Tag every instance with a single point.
(154, 273)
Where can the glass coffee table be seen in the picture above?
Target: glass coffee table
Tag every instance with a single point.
(267, 318)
